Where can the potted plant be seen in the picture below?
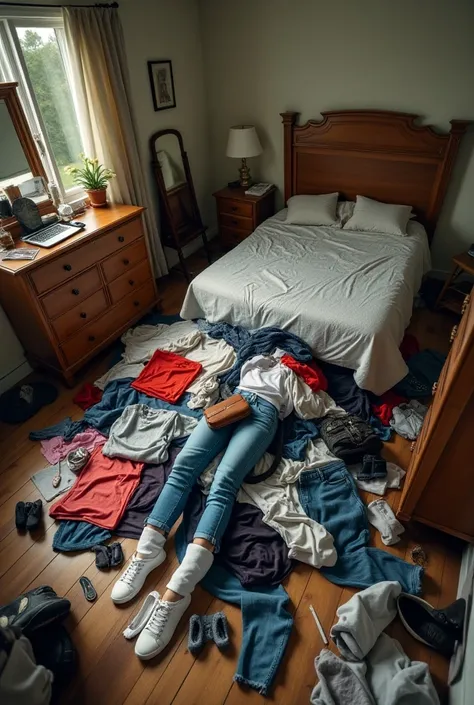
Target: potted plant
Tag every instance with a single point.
(93, 177)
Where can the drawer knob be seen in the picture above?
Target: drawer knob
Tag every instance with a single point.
(67, 267)
(83, 314)
(126, 261)
(434, 388)
(136, 303)
(453, 334)
(75, 292)
(235, 222)
(121, 238)
(234, 209)
(91, 338)
(131, 282)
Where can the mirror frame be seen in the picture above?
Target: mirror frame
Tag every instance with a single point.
(8, 93)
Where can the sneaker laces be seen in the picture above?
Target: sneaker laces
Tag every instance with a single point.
(132, 571)
(159, 617)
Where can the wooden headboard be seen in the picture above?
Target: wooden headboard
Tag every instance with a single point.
(376, 153)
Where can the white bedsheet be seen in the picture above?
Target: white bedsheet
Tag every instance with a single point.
(349, 295)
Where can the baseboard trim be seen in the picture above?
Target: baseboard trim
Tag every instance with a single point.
(14, 376)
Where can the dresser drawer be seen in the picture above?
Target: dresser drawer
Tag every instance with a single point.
(124, 260)
(66, 266)
(68, 295)
(130, 281)
(237, 222)
(79, 316)
(113, 321)
(235, 207)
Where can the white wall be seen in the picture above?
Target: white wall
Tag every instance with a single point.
(266, 56)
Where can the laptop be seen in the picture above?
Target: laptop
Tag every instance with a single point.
(52, 234)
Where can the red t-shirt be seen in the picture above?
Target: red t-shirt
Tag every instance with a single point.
(167, 376)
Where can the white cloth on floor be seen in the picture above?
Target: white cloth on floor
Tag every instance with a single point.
(122, 370)
(380, 515)
(273, 381)
(363, 618)
(379, 485)
(143, 434)
(216, 358)
(142, 341)
(407, 419)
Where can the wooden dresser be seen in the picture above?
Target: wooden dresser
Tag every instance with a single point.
(76, 297)
(238, 215)
(439, 487)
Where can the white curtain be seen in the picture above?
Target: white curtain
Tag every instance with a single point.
(98, 62)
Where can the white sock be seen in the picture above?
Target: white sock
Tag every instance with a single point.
(150, 543)
(380, 515)
(196, 563)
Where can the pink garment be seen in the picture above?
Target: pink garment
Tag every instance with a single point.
(56, 449)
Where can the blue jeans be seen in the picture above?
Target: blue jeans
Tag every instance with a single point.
(329, 496)
(245, 443)
(266, 622)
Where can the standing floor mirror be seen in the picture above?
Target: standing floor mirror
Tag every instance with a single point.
(179, 212)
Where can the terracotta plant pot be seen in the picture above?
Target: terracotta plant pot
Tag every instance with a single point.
(97, 197)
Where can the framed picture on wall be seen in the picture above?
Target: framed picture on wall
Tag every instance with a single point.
(162, 84)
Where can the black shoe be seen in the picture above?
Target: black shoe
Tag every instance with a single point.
(35, 515)
(440, 629)
(115, 554)
(34, 609)
(102, 557)
(21, 514)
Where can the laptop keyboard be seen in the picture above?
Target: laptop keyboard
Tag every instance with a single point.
(48, 233)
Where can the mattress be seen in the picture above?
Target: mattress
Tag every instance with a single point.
(348, 294)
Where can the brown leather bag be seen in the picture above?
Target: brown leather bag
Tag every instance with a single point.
(229, 411)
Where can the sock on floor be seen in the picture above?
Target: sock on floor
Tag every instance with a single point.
(380, 515)
(150, 543)
(196, 562)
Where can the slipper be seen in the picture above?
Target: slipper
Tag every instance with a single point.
(23, 401)
(102, 557)
(115, 552)
(88, 589)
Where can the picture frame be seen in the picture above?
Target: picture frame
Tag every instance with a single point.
(160, 73)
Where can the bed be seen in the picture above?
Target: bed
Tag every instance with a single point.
(349, 295)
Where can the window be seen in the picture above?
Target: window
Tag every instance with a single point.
(33, 53)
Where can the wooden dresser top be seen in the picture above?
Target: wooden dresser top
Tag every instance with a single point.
(97, 220)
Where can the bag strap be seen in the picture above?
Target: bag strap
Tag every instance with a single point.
(253, 479)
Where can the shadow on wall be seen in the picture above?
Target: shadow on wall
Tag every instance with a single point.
(449, 239)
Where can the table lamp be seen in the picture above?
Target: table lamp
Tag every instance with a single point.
(243, 143)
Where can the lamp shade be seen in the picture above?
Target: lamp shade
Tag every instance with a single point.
(243, 142)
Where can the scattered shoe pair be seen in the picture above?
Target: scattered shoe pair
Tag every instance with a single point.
(108, 556)
(28, 515)
(440, 629)
(155, 623)
(208, 627)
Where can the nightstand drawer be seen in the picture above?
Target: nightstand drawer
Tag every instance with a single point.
(236, 222)
(232, 237)
(235, 207)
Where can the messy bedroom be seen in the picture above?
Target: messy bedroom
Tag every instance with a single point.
(236, 352)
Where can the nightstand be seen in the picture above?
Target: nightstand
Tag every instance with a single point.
(238, 215)
(454, 294)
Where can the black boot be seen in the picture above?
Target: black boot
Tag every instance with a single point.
(35, 514)
(34, 609)
(440, 629)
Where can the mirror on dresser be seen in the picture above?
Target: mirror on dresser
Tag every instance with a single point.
(19, 158)
(179, 212)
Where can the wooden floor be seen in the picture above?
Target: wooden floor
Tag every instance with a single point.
(109, 673)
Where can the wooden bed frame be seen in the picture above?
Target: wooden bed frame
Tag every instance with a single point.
(375, 153)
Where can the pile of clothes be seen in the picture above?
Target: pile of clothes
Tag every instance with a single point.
(139, 414)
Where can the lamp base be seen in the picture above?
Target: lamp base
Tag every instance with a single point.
(244, 173)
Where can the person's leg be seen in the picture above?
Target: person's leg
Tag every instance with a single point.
(249, 440)
(201, 447)
(330, 497)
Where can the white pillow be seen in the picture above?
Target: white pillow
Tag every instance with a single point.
(376, 217)
(312, 210)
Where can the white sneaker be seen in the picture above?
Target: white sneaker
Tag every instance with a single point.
(133, 578)
(160, 628)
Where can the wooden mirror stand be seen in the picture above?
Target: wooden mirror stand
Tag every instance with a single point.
(9, 95)
(179, 212)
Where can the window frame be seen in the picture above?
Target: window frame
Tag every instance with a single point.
(13, 68)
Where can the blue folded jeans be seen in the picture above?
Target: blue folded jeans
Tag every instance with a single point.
(244, 443)
(329, 496)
